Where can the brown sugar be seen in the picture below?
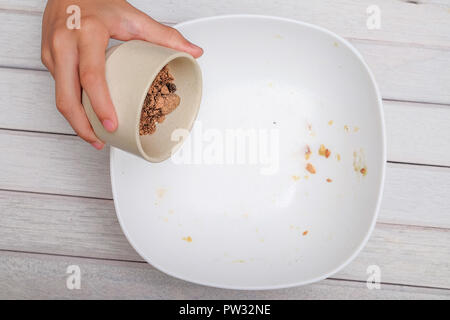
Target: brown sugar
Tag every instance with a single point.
(161, 100)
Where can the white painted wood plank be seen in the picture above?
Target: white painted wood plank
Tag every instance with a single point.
(62, 225)
(52, 163)
(409, 73)
(426, 22)
(27, 102)
(403, 72)
(89, 228)
(29, 276)
(66, 165)
(416, 195)
(416, 133)
(20, 40)
(406, 255)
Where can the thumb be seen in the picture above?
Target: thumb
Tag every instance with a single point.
(152, 31)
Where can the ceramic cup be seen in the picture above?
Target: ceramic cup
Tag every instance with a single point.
(131, 68)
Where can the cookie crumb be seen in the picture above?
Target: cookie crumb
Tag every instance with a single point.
(324, 151)
(305, 233)
(307, 153)
(310, 168)
(187, 239)
(329, 180)
(159, 102)
(238, 261)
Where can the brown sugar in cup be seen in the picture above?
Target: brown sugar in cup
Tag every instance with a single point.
(131, 69)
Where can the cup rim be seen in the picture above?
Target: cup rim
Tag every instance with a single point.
(151, 77)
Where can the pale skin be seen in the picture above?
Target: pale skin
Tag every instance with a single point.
(76, 57)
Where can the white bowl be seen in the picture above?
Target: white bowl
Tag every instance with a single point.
(253, 228)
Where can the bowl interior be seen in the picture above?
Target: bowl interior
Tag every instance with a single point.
(159, 145)
(262, 220)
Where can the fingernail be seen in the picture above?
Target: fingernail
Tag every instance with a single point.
(97, 145)
(195, 46)
(109, 125)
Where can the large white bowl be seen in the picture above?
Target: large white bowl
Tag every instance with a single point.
(250, 230)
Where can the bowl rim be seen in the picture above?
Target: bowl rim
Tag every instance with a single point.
(380, 188)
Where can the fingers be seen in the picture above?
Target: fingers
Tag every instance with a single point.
(152, 31)
(46, 58)
(68, 93)
(91, 47)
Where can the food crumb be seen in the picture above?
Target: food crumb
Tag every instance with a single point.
(329, 180)
(338, 157)
(238, 261)
(346, 128)
(324, 151)
(355, 129)
(307, 153)
(305, 233)
(187, 239)
(330, 123)
(159, 102)
(310, 168)
(295, 178)
(359, 163)
(310, 131)
(161, 193)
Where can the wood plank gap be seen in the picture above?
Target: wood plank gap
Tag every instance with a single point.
(54, 194)
(434, 104)
(391, 284)
(398, 44)
(40, 132)
(72, 256)
(418, 164)
(19, 11)
(412, 226)
(2, 66)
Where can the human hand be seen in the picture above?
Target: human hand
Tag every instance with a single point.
(76, 57)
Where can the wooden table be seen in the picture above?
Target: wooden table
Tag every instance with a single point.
(56, 206)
